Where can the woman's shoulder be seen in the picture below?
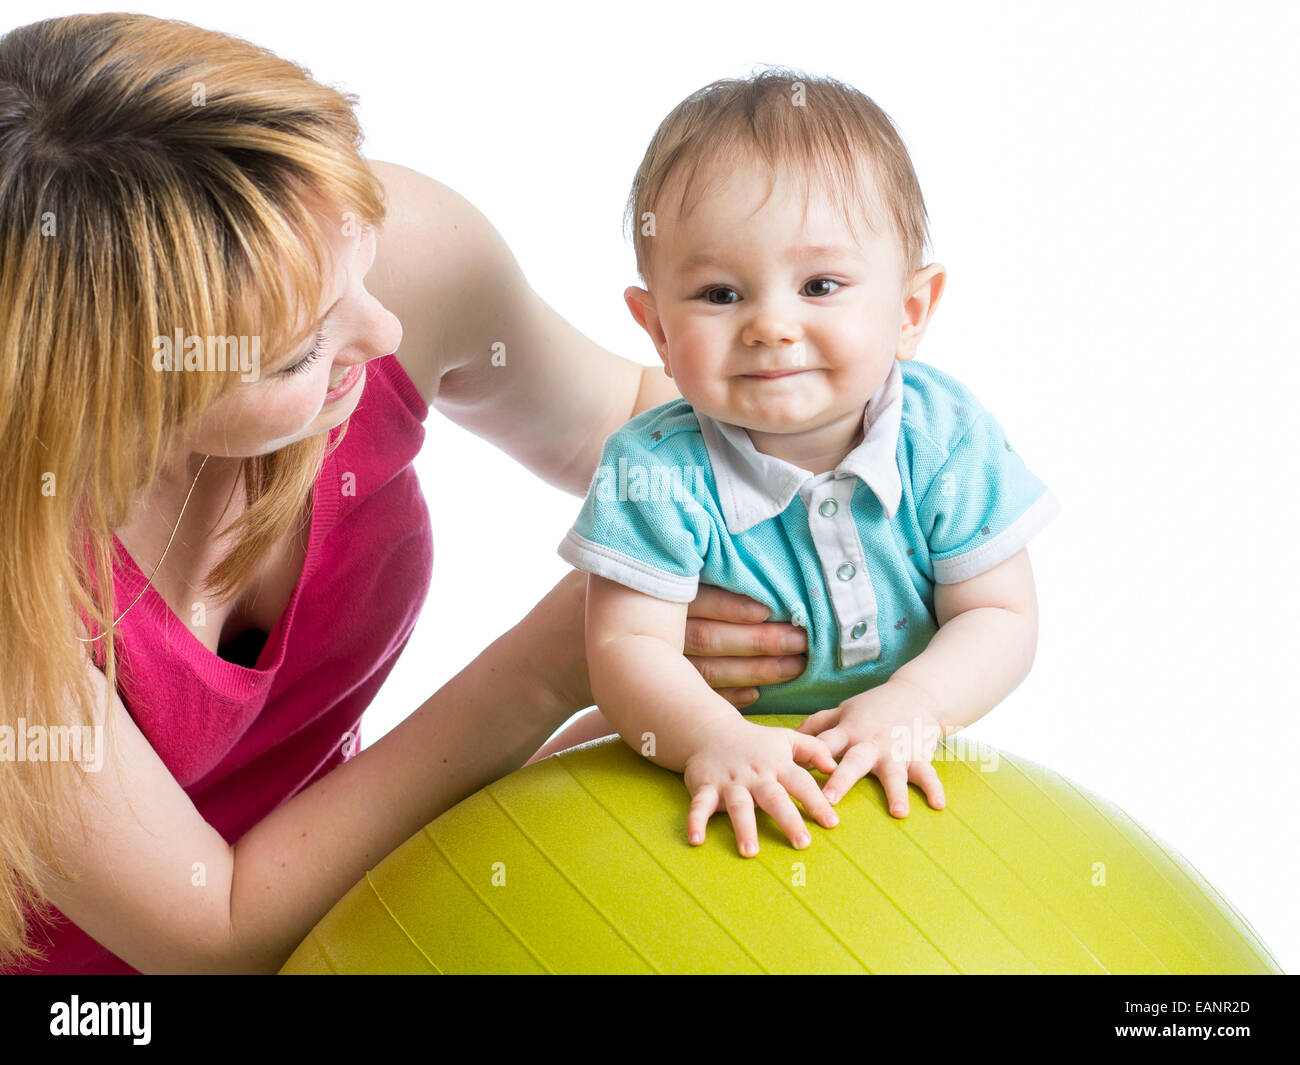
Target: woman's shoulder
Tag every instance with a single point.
(426, 289)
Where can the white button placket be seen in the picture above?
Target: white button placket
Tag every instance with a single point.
(828, 500)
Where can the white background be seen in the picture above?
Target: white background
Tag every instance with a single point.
(1112, 188)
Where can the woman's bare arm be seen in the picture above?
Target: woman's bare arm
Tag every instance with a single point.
(159, 887)
(485, 349)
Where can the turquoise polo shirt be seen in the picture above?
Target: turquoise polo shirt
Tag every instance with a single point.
(933, 493)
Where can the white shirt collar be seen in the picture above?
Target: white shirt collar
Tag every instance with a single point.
(753, 487)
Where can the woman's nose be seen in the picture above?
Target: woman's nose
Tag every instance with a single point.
(382, 332)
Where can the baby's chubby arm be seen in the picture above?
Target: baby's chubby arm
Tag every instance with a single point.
(985, 646)
(664, 709)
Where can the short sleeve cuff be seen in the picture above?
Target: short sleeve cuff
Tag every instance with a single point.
(1002, 547)
(591, 557)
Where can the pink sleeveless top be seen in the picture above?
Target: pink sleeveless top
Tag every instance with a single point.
(241, 740)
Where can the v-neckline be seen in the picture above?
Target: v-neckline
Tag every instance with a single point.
(323, 507)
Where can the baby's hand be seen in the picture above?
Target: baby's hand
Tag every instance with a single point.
(890, 731)
(741, 763)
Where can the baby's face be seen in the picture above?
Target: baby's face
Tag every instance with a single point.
(774, 316)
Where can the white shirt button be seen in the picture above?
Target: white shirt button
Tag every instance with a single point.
(846, 571)
(828, 507)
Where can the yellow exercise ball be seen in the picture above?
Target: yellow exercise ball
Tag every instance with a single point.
(579, 864)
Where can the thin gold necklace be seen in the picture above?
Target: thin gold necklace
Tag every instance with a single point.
(149, 582)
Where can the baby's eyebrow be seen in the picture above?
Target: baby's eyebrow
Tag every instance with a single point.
(801, 254)
(699, 258)
(824, 251)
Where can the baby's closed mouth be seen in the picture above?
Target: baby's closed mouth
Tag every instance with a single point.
(776, 373)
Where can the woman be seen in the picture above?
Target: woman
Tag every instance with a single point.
(236, 540)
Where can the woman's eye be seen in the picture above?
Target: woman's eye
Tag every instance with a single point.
(818, 286)
(305, 363)
(720, 294)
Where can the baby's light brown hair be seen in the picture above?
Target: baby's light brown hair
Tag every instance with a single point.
(814, 128)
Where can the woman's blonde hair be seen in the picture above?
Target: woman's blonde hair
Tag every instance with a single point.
(153, 178)
(814, 128)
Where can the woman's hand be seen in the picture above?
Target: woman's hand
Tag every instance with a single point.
(726, 640)
(735, 650)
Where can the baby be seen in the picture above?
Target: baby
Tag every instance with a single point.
(811, 465)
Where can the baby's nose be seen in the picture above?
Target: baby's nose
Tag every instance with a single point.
(773, 329)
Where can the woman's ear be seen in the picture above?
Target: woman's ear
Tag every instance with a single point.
(642, 305)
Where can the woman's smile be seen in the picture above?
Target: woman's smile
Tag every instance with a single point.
(344, 382)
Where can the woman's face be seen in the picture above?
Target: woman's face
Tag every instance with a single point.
(297, 394)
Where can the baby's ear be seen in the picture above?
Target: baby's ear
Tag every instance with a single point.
(920, 301)
(642, 305)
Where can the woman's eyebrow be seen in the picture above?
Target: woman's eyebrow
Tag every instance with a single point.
(328, 314)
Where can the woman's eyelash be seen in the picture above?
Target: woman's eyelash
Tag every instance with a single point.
(303, 364)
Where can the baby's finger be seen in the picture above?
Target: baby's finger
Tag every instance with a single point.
(893, 775)
(773, 798)
(923, 774)
(815, 723)
(812, 750)
(703, 803)
(836, 740)
(799, 783)
(740, 808)
(855, 763)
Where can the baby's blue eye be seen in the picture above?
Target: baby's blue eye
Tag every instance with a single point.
(721, 291)
(819, 283)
